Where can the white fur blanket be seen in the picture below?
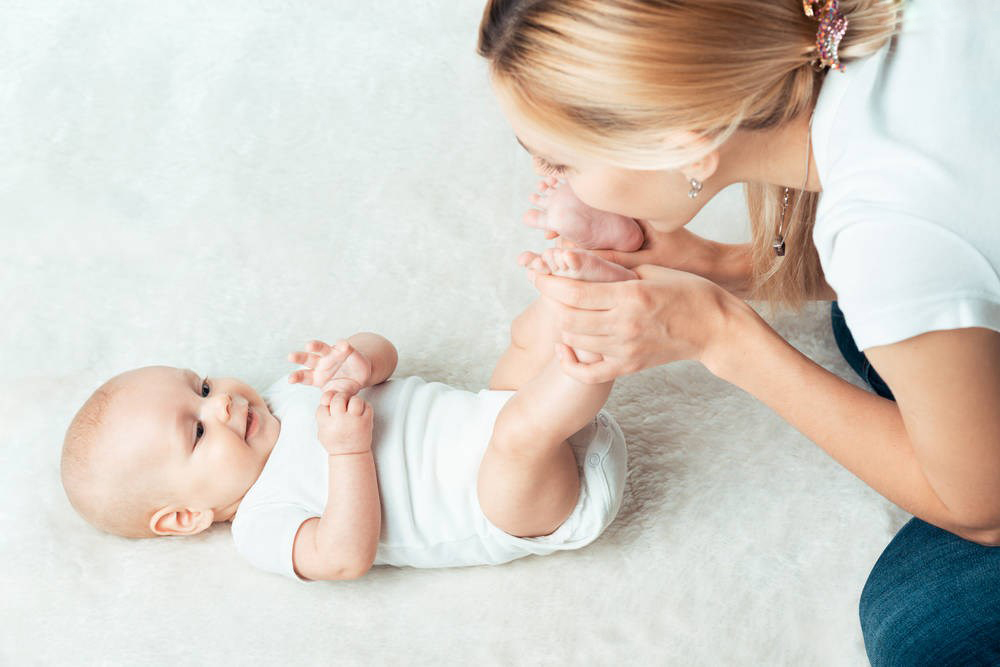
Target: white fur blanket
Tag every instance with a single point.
(211, 184)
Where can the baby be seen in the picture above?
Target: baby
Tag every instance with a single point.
(341, 468)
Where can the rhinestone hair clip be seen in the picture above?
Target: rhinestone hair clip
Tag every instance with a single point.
(832, 26)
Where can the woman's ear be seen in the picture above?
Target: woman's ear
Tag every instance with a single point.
(174, 521)
(704, 168)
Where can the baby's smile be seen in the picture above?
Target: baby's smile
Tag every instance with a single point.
(252, 425)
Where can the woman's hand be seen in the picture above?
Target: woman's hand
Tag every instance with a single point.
(666, 315)
(727, 265)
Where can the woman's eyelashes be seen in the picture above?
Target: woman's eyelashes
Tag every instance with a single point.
(549, 168)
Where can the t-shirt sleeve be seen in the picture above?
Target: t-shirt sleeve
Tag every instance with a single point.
(898, 276)
(265, 535)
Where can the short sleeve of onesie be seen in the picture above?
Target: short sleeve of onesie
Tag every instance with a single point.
(265, 535)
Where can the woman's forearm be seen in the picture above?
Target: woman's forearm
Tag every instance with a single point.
(862, 431)
(727, 265)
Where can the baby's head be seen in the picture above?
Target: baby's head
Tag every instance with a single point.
(162, 451)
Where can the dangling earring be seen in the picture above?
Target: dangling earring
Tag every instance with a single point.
(695, 188)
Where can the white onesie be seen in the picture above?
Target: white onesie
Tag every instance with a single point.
(428, 440)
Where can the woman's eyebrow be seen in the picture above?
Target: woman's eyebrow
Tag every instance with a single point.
(534, 153)
(524, 146)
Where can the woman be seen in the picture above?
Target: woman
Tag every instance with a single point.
(863, 131)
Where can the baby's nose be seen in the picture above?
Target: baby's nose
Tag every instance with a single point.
(224, 403)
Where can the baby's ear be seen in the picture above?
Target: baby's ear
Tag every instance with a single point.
(174, 521)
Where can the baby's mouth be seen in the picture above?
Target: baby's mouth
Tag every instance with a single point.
(249, 426)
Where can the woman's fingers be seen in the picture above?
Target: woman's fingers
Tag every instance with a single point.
(605, 346)
(629, 260)
(576, 320)
(577, 293)
(595, 373)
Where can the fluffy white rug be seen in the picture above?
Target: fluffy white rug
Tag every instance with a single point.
(211, 184)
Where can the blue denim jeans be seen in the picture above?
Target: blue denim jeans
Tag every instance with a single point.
(932, 597)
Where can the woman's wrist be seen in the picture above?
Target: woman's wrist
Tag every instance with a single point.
(738, 331)
(729, 267)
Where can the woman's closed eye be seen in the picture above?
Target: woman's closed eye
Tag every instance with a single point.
(549, 168)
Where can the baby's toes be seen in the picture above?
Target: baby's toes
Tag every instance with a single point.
(552, 260)
(534, 218)
(572, 260)
(526, 258)
(539, 200)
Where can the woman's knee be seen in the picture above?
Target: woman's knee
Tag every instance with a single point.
(931, 600)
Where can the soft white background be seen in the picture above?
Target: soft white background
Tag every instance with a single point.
(211, 184)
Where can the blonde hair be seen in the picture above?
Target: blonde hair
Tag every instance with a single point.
(620, 80)
(122, 505)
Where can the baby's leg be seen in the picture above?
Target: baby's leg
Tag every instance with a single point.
(533, 336)
(528, 479)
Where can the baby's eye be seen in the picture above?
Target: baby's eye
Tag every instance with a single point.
(205, 389)
(199, 430)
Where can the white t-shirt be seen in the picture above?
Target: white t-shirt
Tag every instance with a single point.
(908, 150)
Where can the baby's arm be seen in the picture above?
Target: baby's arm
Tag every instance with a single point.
(342, 543)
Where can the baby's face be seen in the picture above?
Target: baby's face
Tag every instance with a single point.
(207, 438)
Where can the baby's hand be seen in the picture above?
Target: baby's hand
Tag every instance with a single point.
(345, 423)
(340, 368)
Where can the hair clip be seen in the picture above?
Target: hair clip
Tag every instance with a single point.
(832, 26)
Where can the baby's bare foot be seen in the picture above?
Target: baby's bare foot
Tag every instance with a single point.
(563, 213)
(580, 265)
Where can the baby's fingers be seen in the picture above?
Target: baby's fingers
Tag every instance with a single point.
(344, 385)
(300, 376)
(336, 401)
(334, 357)
(356, 406)
(318, 347)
